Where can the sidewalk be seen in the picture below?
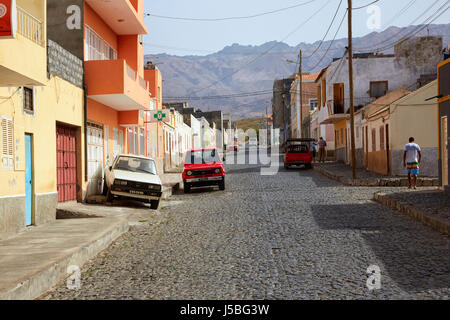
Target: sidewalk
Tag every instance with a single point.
(34, 261)
(431, 207)
(343, 173)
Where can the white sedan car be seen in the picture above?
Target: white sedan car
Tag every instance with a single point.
(133, 177)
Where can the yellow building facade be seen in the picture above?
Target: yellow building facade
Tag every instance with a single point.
(36, 110)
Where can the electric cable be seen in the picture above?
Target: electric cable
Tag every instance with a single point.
(230, 18)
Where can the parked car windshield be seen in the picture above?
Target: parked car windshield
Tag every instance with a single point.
(205, 156)
(135, 165)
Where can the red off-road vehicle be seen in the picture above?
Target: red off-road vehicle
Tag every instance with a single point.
(203, 168)
(298, 153)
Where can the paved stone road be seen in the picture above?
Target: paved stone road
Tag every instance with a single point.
(295, 235)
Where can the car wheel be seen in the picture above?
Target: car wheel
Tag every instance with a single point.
(154, 204)
(222, 184)
(187, 188)
(286, 166)
(308, 166)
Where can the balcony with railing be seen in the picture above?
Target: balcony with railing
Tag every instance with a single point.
(23, 57)
(115, 84)
(339, 110)
(30, 27)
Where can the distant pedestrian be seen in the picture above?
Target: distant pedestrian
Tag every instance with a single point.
(322, 145)
(411, 161)
(314, 150)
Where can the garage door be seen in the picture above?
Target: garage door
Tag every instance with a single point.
(95, 158)
(66, 163)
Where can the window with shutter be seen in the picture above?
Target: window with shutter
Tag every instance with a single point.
(7, 144)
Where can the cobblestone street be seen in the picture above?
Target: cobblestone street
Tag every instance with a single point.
(294, 235)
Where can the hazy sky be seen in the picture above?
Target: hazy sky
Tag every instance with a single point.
(200, 38)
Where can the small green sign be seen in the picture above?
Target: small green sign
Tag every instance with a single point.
(159, 115)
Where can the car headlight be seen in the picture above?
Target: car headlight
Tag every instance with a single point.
(121, 182)
(155, 187)
(189, 173)
(218, 170)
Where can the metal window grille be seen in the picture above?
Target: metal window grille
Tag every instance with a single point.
(94, 45)
(109, 52)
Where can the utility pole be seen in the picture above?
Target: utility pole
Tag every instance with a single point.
(267, 125)
(300, 109)
(350, 71)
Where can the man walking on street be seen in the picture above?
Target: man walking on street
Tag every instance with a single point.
(411, 160)
(322, 145)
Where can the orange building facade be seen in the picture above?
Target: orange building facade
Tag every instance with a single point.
(155, 130)
(117, 88)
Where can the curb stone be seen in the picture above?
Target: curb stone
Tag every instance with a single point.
(427, 219)
(377, 182)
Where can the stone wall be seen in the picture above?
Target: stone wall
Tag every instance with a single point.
(63, 64)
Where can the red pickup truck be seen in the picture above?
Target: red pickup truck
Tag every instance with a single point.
(298, 153)
(202, 168)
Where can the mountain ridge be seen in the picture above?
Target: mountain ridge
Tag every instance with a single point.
(247, 68)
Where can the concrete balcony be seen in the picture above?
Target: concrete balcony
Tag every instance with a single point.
(120, 15)
(114, 84)
(23, 58)
(339, 110)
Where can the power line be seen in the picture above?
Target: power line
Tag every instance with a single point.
(384, 41)
(230, 18)
(267, 51)
(400, 13)
(230, 96)
(367, 5)
(224, 98)
(332, 41)
(326, 33)
(417, 30)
